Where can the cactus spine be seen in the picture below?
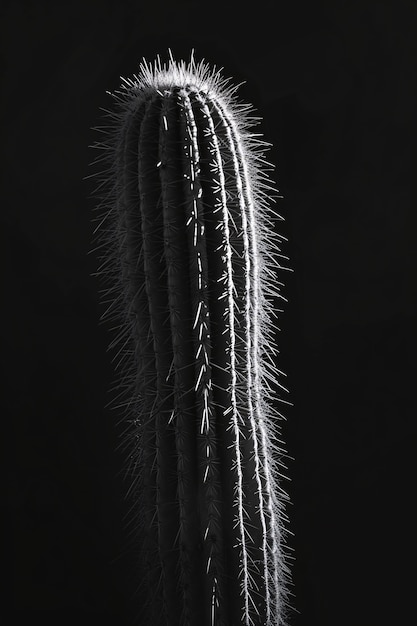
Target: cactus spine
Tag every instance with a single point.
(189, 260)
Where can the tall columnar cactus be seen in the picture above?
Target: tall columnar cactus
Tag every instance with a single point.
(189, 258)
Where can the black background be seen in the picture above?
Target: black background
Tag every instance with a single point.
(335, 83)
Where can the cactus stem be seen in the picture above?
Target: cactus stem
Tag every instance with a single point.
(188, 254)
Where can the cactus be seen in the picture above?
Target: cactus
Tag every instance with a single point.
(189, 254)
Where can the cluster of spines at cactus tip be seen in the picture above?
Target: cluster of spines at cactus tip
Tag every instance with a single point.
(189, 259)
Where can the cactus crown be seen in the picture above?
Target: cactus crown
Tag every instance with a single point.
(189, 254)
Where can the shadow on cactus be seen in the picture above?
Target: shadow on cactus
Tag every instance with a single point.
(189, 253)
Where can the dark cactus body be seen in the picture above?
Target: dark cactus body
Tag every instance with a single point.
(190, 255)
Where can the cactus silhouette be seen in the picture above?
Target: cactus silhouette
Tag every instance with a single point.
(189, 255)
